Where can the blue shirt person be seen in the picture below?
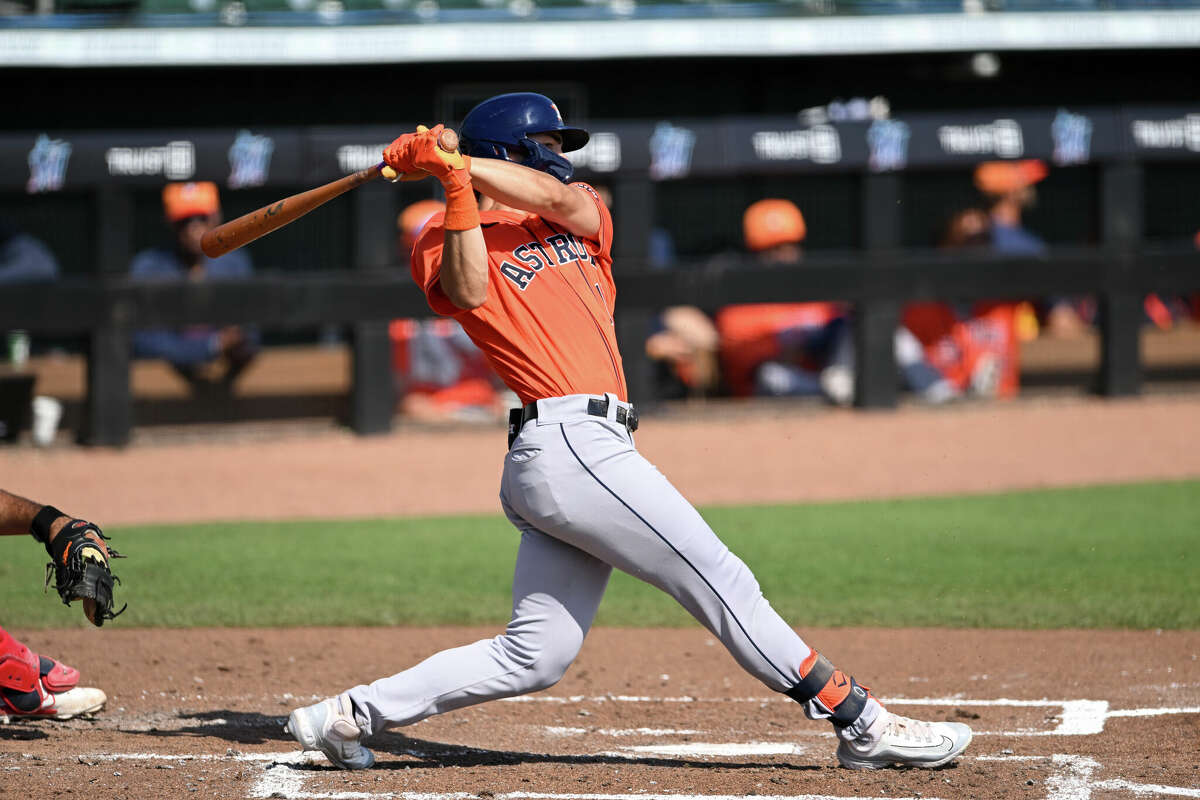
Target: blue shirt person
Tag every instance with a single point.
(197, 352)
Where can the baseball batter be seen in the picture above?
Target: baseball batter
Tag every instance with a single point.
(527, 270)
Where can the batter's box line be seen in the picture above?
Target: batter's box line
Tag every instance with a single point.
(1076, 717)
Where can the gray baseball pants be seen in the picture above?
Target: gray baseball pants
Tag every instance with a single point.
(586, 501)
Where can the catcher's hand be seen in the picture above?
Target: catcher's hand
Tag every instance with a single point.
(80, 569)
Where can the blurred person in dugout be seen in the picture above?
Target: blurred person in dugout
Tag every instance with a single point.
(975, 346)
(24, 259)
(1009, 189)
(206, 356)
(441, 376)
(797, 349)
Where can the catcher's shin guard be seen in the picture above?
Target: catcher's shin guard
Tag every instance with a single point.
(20, 668)
(837, 694)
(56, 676)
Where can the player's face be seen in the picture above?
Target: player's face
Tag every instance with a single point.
(552, 141)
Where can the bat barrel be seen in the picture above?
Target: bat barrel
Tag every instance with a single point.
(248, 227)
(245, 229)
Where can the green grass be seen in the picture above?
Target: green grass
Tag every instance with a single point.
(1110, 557)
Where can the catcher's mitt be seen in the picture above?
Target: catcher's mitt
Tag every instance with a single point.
(80, 569)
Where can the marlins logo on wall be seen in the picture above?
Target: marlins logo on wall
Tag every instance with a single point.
(670, 151)
(887, 143)
(250, 160)
(1072, 134)
(48, 164)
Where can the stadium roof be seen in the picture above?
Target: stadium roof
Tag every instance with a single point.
(32, 42)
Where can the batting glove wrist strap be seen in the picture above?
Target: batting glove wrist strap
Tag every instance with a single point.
(40, 527)
(462, 211)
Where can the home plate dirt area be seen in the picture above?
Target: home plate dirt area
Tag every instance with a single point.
(1062, 715)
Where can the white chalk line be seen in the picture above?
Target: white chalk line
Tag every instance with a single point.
(702, 749)
(1152, 712)
(555, 730)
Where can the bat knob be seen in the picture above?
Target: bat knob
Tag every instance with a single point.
(448, 141)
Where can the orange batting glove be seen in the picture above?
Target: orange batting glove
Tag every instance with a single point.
(399, 155)
(453, 169)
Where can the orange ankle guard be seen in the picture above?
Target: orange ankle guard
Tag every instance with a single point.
(840, 694)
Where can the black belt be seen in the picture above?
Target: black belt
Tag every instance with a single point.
(597, 407)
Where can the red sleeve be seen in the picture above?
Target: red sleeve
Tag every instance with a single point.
(602, 244)
(427, 267)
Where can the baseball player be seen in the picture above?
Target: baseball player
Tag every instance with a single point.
(36, 686)
(527, 271)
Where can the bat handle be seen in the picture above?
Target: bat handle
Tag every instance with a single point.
(387, 173)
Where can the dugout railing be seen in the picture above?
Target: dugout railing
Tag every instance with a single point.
(107, 311)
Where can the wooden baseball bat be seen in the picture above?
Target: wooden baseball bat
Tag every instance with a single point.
(245, 229)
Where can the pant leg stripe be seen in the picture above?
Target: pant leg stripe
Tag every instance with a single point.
(665, 541)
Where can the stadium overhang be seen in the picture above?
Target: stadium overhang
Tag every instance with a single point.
(433, 42)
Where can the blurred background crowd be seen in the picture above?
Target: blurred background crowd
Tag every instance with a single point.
(713, 161)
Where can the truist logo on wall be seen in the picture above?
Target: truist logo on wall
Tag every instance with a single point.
(48, 165)
(887, 145)
(670, 151)
(175, 161)
(602, 153)
(819, 144)
(1072, 135)
(1167, 134)
(353, 157)
(250, 160)
(1000, 137)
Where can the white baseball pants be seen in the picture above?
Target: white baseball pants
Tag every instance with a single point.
(586, 501)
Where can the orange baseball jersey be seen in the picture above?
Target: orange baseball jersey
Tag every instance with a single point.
(546, 327)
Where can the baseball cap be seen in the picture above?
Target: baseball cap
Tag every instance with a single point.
(1002, 177)
(183, 200)
(413, 218)
(772, 222)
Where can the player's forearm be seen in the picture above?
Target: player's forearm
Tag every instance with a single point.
(464, 273)
(17, 513)
(537, 192)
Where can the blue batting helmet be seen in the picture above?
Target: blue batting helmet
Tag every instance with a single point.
(509, 120)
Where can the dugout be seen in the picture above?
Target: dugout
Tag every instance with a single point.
(1119, 221)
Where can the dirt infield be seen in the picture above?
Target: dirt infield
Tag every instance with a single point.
(725, 453)
(1061, 715)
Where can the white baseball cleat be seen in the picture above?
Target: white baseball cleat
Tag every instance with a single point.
(893, 740)
(77, 702)
(329, 727)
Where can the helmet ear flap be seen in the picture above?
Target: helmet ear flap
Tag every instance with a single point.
(545, 160)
